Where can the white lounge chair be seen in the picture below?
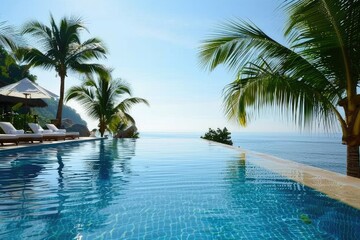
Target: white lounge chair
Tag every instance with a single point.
(47, 134)
(72, 135)
(8, 138)
(8, 128)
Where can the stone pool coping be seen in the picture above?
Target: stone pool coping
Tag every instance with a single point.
(335, 185)
(24, 146)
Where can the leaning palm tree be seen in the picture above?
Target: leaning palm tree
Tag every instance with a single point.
(100, 97)
(60, 48)
(308, 80)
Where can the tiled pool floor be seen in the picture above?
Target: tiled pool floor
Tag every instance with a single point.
(166, 189)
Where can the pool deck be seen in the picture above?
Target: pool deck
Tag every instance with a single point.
(337, 186)
(23, 146)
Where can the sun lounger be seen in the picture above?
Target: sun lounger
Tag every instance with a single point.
(47, 134)
(72, 135)
(8, 128)
(8, 138)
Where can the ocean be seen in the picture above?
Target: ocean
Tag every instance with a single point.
(319, 150)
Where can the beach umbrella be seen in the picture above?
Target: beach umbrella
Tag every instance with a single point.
(26, 89)
(8, 100)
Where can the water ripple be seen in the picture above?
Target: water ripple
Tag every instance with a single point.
(138, 189)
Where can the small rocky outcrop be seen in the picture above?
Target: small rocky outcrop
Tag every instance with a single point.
(82, 129)
(71, 127)
(129, 132)
(66, 123)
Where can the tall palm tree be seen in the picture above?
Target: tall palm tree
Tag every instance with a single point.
(60, 48)
(100, 98)
(308, 80)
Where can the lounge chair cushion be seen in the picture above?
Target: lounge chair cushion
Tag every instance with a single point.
(36, 128)
(9, 128)
(54, 128)
(17, 131)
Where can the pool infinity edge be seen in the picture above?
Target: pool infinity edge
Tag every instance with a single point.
(335, 185)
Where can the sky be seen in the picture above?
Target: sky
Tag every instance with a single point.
(154, 46)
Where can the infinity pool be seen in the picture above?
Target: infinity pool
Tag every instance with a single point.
(157, 188)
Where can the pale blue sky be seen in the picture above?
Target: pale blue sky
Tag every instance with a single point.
(154, 45)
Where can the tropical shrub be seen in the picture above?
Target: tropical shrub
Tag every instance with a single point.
(221, 136)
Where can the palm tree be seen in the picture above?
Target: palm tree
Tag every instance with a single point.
(308, 80)
(60, 48)
(100, 98)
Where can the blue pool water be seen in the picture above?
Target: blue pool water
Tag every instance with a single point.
(319, 150)
(159, 188)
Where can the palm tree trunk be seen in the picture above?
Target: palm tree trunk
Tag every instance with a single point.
(353, 167)
(61, 101)
(102, 127)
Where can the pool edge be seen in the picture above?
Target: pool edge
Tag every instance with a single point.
(335, 185)
(12, 148)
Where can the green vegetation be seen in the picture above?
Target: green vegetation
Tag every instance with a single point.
(48, 113)
(305, 81)
(221, 136)
(99, 95)
(10, 71)
(60, 48)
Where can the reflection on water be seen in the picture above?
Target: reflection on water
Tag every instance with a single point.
(237, 169)
(60, 186)
(274, 202)
(158, 189)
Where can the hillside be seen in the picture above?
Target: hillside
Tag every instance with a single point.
(49, 112)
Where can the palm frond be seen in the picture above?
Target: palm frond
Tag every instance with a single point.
(121, 87)
(84, 52)
(8, 36)
(89, 68)
(127, 103)
(295, 80)
(238, 43)
(262, 88)
(37, 58)
(328, 32)
(86, 98)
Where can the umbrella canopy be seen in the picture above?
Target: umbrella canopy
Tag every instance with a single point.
(8, 100)
(26, 89)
